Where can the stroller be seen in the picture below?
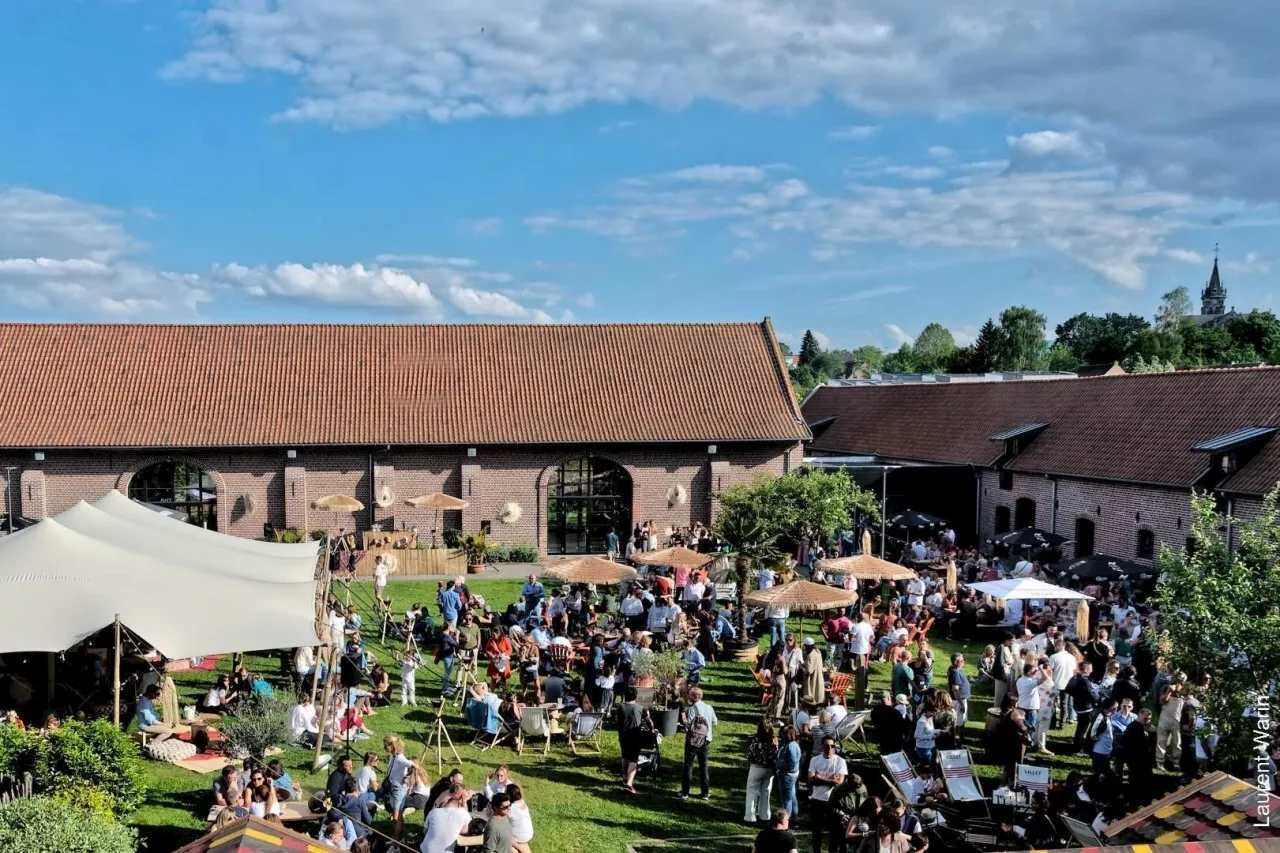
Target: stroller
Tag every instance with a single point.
(649, 763)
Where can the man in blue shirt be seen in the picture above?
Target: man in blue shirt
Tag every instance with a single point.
(723, 627)
(146, 712)
(450, 605)
(694, 661)
(533, 591)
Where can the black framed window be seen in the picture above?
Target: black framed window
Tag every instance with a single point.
(1146, 544)
(1084, 537)
(1002, 520)
(1006, 481)
(181, 486)
(1024, 513)
(586, 498)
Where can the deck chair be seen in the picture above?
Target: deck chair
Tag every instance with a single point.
(766, 689)
(490, 728)
(840, 684)
(535, 723)
(584, 733)
(1031, 778)
(561, 657)
(960, 778)
(904, 777)
(852, 730)
(1082, 832)
(923, 633)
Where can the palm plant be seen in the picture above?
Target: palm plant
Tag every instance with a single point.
(752, 547)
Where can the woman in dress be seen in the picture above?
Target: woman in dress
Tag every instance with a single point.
(498, 650)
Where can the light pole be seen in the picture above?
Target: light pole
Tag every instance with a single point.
(8, 495)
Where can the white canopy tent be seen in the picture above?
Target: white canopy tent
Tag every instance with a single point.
(1025, 589)
(68, 577)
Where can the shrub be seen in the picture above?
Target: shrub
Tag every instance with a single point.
(17, 751)
(498, 554)
(260, 722)
(523, 554)
(44, 823)
(94, 755)
(88, 798)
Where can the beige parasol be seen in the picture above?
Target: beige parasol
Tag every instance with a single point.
(338, 503)
(866, 567)
(589, 570)
(676, 558)
(804, 595)
(437, 501)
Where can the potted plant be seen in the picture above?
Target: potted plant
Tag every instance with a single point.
(663, 670)
(475, 547)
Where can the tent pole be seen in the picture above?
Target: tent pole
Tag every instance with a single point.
(324, 710)
(115, 705)
(324, 621)
(884, 505)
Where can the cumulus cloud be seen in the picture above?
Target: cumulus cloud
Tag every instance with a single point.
(895, 332)
(719, 174)
(76, 259)
(333, 284)
(1252, 262)
(1183, 93)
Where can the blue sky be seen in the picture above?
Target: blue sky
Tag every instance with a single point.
(861, 170)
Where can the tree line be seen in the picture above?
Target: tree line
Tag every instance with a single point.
(1017, 340)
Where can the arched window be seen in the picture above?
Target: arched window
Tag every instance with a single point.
(586, 498)
(1084, 537)
(180, 486)
(1146, 544)
(1002, 520)
(1024, 513)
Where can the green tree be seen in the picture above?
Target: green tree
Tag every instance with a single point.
(1220, 614)
(1204, 346)
(752, 545)
(1138, 364)
(1102, 340)
(1159, 346)
(1258, 331)
(90, 755)
(867, 359)
(933, 348)
(43, 823)
(1174, 308)
(1061, 358)
(803, 380)
(1022, 338)
(1078, 335)
(809, 349)
(902, 361)
(982, 355)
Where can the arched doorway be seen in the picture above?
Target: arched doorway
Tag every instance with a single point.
(586, 498)
(181, 486)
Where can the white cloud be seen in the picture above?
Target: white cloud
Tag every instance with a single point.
(899, 337)
(717, 173)
(940, 152)
(1183, 93)
(964, 335)
(425, 260)
(823, 340)
(1252, 262)
(333, 284)
(1187, 256)
(857, 131)
(62, 255)
(1030, 149)
(481, 303)
(915, 173)
(488, 227)
(874, 293)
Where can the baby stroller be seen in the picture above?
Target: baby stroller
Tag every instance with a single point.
(649, 762)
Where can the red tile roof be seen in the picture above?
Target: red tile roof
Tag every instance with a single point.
(270, 385)
(1216, 807)
(1134, 428)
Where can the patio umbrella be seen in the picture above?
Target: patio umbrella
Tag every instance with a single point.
(678, 557)
(805, 596)
(1101, 567)
(1026, 588)
(338, 503)
(1029, 539)
(909, 520)
(437, 501)
(588, 570)
(866, 567)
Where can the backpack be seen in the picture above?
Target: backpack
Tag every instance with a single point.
(698, 733)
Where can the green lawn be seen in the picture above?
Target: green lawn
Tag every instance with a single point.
(576, 802)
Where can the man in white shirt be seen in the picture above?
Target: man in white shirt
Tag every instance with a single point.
(766, 578)
(837, 710)
(1023, 568)
(1012, 611)
(1028, 686)
(777, 617)
(693, 591)
(541, 636)
(337, 628)
(915, 591)
(918, 550)
(660, 615)
(826, 771)
(303, 722)
(380, 572)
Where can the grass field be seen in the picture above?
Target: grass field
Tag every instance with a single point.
(576, 802)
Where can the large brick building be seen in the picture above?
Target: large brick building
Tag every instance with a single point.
(1109, 462)
(554, 434)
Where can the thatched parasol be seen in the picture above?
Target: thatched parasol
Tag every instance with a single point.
(866, 567)
(804, 595)
(588, 570)
(437, 501)
(338, 503)
(676, 558)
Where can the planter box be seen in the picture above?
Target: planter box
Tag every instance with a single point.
(666, 721)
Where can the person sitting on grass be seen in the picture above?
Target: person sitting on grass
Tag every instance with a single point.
(354, 807)
(419, 784)
(445, 823)
(380, 686)
(259, 798)
(215, 701)
(286, 788)
(338, 834)
(226, 788)
(521, 820)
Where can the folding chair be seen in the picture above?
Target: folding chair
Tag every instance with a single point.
(534, 723)
(584, 733)
(1082, 832)
(1031, 778)
(490, 728)
(904, 776)
(840, 684)
(960, 777)
(852, 728)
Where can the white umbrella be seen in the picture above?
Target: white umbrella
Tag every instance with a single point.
(1025, 588)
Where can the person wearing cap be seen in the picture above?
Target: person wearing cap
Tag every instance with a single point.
(497, 832)
(813, 690)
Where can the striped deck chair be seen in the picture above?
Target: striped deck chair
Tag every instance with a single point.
(960, 778)
(1031, 778)
(904, 777)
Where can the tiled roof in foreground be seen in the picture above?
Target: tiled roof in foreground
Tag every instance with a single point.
(70, 385)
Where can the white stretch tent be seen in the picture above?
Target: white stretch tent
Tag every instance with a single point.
(1025, 589)
(67, 577)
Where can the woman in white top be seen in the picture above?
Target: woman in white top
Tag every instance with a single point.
(497, 783)
(521, 820)
(367, 775)
(446, 821)
(215, 698)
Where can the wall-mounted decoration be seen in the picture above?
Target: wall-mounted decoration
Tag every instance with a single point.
(386, 497)
(510, 512)
(677, 496)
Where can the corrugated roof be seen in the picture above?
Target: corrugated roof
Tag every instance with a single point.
(1239, 437)
(70, 385)
(1136, 428)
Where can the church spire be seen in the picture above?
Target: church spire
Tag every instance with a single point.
(1213, 299)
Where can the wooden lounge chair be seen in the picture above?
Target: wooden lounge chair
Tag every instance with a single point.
(961, 779)
(840, 684)
(903, 777)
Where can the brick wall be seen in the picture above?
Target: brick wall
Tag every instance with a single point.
(257, 487)
(1118, 511)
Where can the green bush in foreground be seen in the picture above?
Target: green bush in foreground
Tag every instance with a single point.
(45, 825)
(91, 755)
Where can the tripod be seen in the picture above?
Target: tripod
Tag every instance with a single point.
(465, 677)
(440, 736)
